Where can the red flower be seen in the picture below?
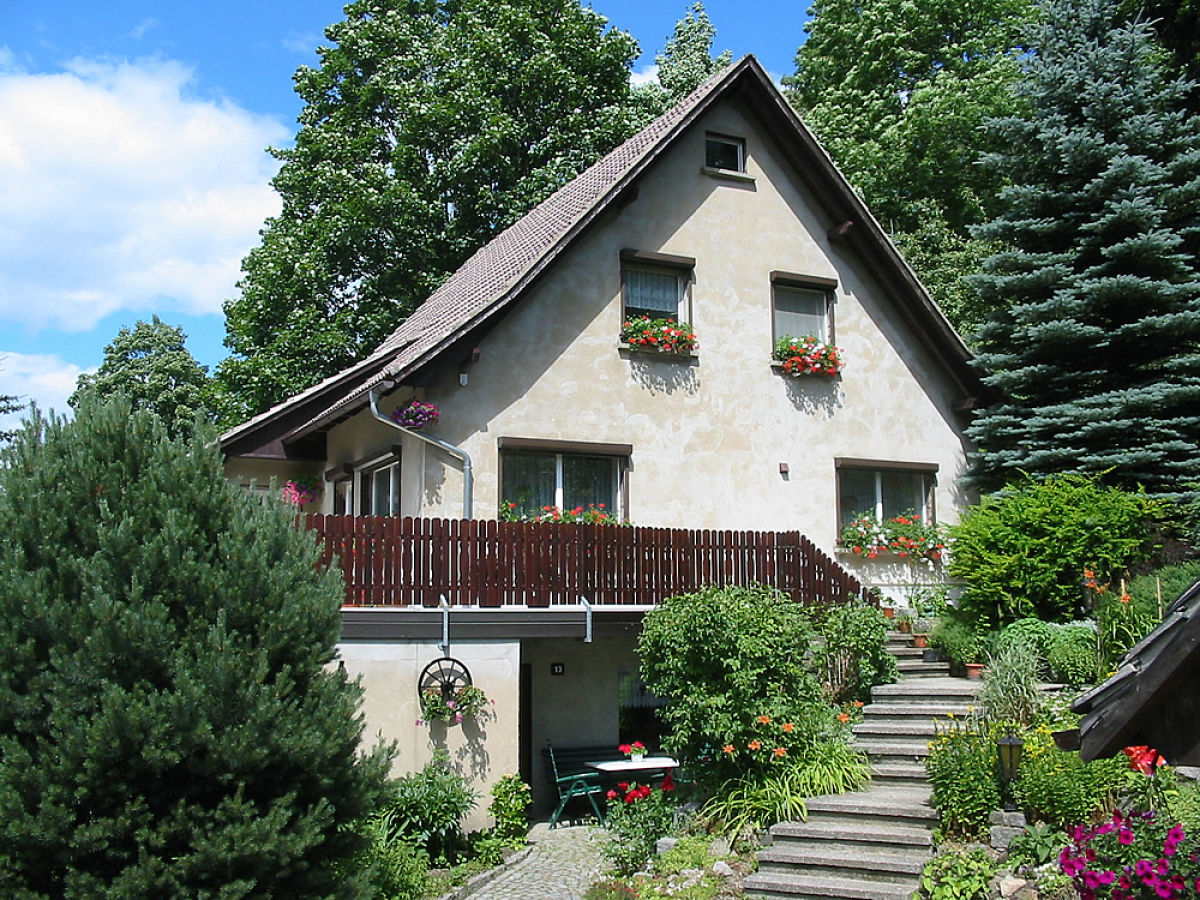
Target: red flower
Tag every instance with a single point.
(668, 783)
(1144, 759)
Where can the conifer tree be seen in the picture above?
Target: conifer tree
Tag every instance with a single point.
(1097, 349)
(170, 722)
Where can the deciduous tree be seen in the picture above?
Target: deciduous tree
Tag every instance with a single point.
(151, 365)
(897, 93)
(429, 126)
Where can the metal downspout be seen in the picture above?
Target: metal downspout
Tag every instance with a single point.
(456, 452)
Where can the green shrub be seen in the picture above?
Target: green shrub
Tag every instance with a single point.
(963, 768)
(170, 723)
(721, 658)
(1059, 787)
(1072, 655)
(853, 654)
(637, 817)
(397, 870)
(1011, 690)
(1022, 552)
(1033, 632)
(957, 639)
(427, 808)
(1037, 845)
(510, 803)
(958, 874)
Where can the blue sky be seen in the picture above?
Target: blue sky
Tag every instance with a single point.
(133, 177)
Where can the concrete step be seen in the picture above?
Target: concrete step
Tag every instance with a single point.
(900, 711)
(916, 668)
(899, 773)
(880, 805)
(931, 690)
(872, 864)
(912, 727)
(773, 886)
(814, 830)
(893, 749)
(906, 652)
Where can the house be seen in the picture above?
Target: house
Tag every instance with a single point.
(1153, 699)
(725, 214)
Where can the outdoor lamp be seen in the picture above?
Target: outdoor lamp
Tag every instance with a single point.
(1009, 747)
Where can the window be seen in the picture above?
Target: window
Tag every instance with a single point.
(536, 478)
(884, 490)
(802, 306)
(723, 152)
(379, 489)
(655, 285)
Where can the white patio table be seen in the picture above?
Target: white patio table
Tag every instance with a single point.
(623, 766)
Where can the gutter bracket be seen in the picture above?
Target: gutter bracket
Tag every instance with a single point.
(445, 608)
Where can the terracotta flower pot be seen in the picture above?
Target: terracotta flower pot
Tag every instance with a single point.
(974, 670)
(920, 640)
(888, 612)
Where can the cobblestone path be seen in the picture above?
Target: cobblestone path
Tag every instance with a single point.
(560, 867)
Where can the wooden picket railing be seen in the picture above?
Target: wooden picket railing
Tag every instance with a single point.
(415, 562)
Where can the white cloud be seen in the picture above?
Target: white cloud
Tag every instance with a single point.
(647, 75)
(119, 190)
(46, 380)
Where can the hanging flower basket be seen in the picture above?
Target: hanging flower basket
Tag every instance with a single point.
(808, 356)
(466, 702)
(301, 491)
(416, 415)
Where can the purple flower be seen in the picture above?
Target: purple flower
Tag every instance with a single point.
(1125, 836)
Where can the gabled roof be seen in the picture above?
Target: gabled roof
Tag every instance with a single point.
(498, 274)
(1154, 696)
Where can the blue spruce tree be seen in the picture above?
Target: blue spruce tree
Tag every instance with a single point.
(1094, 355)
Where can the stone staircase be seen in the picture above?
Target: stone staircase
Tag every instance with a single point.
(871, 844)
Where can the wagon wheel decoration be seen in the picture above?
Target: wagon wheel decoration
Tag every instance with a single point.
(445, 676)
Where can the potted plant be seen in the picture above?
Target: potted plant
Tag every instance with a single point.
(920, 631)
(634, 751)
(974, 669)
(904, 624)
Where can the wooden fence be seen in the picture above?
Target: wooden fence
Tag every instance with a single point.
(414, 562)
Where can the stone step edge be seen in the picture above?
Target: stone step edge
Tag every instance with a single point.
(818, 856)
(905, 835)
(805, 886)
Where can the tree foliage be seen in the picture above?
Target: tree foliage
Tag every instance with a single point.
(687, 61)
(429, 126)
(1094, 349)
(151, 365)
(1024, 552)
(897, 93)
(170, 723)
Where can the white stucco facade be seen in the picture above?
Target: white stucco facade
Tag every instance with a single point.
(708, 433)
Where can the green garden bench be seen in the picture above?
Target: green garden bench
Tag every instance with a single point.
(566, 767)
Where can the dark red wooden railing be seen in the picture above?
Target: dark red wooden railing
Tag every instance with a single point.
(414, 562)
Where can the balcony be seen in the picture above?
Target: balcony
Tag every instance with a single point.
(414, 563)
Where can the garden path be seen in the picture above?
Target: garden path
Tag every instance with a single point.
(560, 866)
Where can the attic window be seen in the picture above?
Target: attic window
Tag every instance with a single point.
(655, 285)
(725, 153)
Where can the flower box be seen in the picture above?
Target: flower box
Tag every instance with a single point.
(665, 336)
(808, 355)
